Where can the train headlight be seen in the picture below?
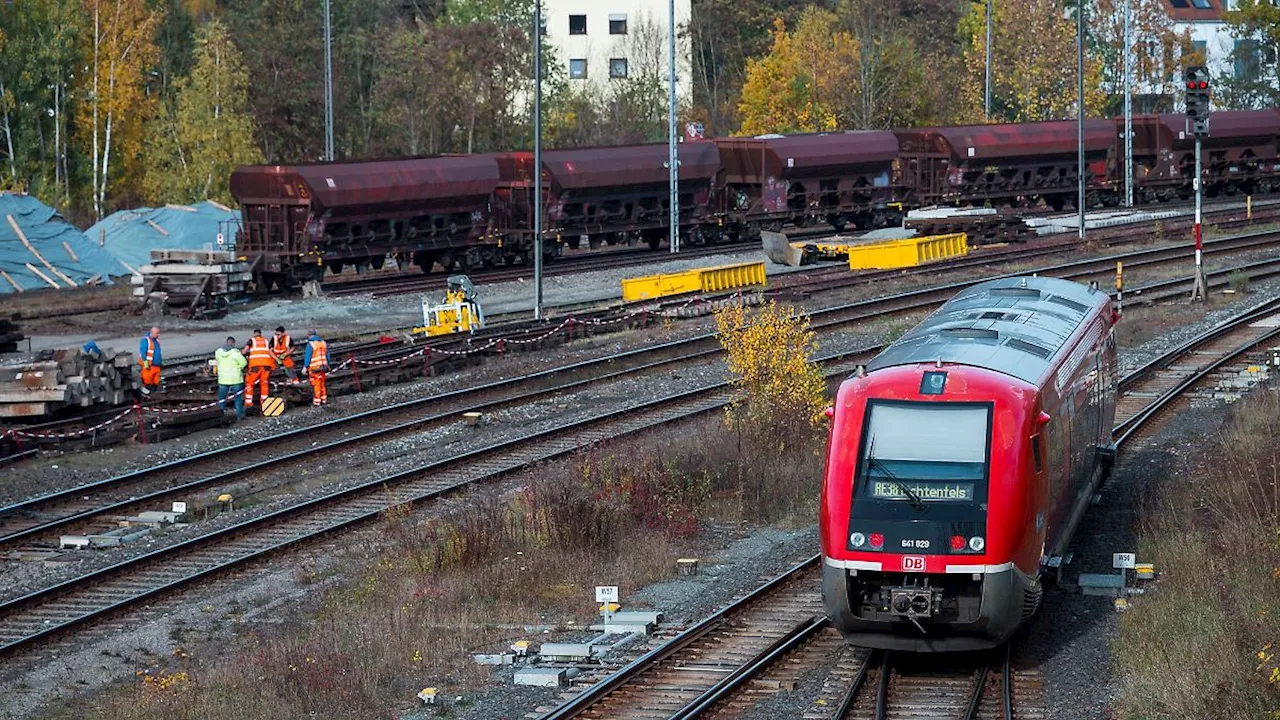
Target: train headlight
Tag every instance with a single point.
(957, 543)
(857, 539)
(877, 541)
(976, 543)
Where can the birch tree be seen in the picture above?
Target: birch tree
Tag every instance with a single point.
(195, 143)
(120, 50)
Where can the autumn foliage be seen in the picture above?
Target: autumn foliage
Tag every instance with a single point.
(769, 353)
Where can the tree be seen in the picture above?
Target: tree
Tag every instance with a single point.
(1033, 63)
(804, 81)
(1255, 78)
(282, 43)
(120, 50)
(410, 99)
(207, 132)
(636, 105)
(1159, 52)
(38, 54)
(891, 88)
(723, 35)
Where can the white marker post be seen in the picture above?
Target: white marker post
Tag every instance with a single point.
(1124, 562)
(607, 594)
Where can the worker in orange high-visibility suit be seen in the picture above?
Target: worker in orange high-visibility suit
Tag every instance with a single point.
(261, 363)
(316, 366)
(282, 348)
(149, 361)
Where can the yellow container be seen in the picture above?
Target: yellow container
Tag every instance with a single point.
(908, 253)
(725, 277)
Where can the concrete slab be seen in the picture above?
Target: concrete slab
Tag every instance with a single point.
(565, 651)
(623, 629)
(650, 617)
(1103, 584)
(541, 677)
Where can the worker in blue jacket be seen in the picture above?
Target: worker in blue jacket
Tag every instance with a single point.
(150, 361)
(315, 365)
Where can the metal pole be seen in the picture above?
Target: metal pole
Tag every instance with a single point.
(537, 160)
(328, 84)
(673, 155)
(1080, 167)
(987, 105)
(1128, 103)
(1199, 290)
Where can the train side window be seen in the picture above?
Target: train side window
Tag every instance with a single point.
(1035, 451)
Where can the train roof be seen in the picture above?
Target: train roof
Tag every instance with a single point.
(1017, 326)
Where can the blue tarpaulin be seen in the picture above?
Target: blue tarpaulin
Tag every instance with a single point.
(51, 240)
(131, 235)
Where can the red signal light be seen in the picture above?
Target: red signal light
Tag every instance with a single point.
(957, 542)
(1191, 85)
(1204, 85)
(876, 540)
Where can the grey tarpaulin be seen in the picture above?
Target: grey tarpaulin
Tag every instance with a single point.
(131, 235)
(45, 251)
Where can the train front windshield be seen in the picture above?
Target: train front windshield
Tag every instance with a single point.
(920, 453)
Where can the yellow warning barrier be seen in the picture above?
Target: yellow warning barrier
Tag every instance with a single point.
(907, 253)
(712, 279)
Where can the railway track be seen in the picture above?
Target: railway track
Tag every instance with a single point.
(399, 283)
(877, 684)
(405, 282)
(191, 478)
(27, 620)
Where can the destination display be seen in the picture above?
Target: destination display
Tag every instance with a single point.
(893, 490)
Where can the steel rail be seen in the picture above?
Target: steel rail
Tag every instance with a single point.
(584, 700)
(882, 688)
(1006, 693)
(975, 695)
(1127, 430)
(745, 672)
(840, 315)
(855, 686)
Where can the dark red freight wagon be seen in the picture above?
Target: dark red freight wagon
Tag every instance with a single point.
(839, 178)
(299, 219)
(621, 194)
(1240, 155)
(1006, 165)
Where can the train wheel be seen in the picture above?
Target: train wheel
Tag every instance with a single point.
(1057, 202)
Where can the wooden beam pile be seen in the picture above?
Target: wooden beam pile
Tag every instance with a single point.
(57, 379)
(10, 334)
(192, 278)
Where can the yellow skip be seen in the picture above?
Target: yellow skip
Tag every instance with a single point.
(907, 253)
(715, 279)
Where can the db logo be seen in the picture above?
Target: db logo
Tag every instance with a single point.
(912, 563)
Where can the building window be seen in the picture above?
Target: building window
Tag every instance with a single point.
(578, 69)
(1201, 4)
(577, 24)
(618, 24)
(617, 68)
(1201, 49)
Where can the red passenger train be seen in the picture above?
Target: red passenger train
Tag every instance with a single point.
(961, 461)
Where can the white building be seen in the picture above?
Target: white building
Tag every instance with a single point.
(1203, 20)
(599, 41)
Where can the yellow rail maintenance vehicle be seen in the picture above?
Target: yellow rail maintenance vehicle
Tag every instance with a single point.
(460, 312)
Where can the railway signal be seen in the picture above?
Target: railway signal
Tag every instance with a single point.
(1197, 100)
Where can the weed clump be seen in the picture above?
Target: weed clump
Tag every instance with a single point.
(1202, 644)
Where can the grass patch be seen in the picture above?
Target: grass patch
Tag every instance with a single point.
(1202, 644)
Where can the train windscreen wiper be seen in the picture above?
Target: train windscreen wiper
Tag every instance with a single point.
(872, 461)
